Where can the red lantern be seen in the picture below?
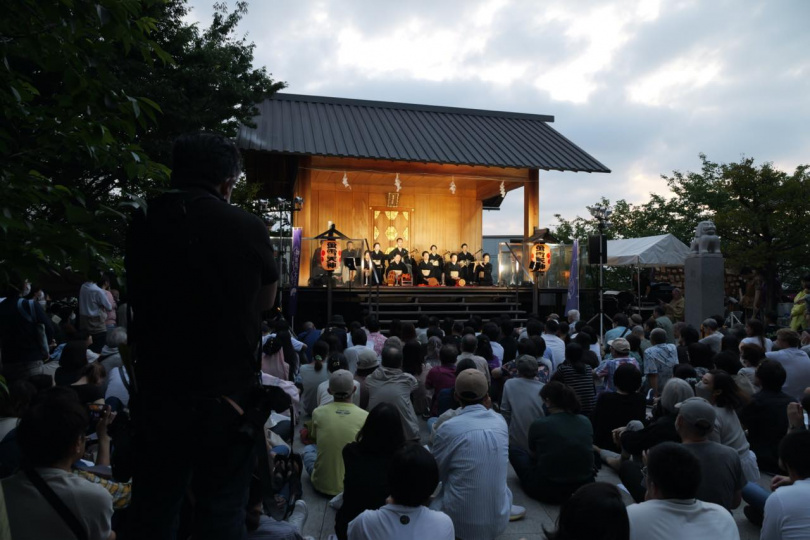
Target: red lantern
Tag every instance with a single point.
(330, 255)
(540, 258)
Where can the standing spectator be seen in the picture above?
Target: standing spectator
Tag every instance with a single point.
(93, 309)
(619, 356)
(22, 350)
(471, 450)
(664, 322)
(722, 478)
(620, 328)
(442, 376)
(389, 384)
(521, 403)
(51, 437)
(671, 509)
(764, 416)
(112, 314)
(367, 461)
(798, 313)
(607, 515)
(209, 388)
(334, 425)
(579, 376)
(659, 361)
(795, 361)
(787, 515)
(675, 308)
(413, 477)
(616, 409)
(560, 456)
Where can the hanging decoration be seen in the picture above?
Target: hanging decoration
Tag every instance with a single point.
(397, 183)
(453, 186)
(503, 189)
(346, 181)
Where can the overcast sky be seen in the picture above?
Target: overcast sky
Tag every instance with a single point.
(642, 85)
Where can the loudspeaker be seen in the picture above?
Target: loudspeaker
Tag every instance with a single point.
(594, 250)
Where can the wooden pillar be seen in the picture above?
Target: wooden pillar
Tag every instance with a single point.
(531, 203)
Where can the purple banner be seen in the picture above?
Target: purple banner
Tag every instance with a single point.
(295, 270)
(573, 280)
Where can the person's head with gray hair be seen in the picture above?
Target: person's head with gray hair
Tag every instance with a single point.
(709, 326)
(638, 331)
(392, 358)
(469, 343)
(675, 391)
(658, 336)
(573, 316)
(394, 342)
(116, 337)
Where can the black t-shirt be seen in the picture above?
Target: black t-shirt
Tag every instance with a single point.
(615, 410)
(195, 267)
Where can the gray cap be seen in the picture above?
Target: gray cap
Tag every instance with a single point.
(620, 345)
(527, 366)
(698, 413)
(367, 358)
(341, 383)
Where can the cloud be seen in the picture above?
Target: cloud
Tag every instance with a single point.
(642, 85)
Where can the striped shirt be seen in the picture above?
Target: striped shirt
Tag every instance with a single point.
(582, 384)
(472, 452)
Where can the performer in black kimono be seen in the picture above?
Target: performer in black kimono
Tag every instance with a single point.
(466, 261)
(437, 262)
(452, 271)
(483, 271)
(397, 266)
(350, 262)
(424, 269)
(400, 250)
(366, 270)
(378, 259)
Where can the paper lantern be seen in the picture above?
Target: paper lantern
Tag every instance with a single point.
(540, 258)
(330, 255)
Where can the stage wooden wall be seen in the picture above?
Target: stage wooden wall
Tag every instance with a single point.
(437, 216)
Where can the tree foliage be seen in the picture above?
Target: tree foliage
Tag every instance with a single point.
(761, 214)
(93, 94)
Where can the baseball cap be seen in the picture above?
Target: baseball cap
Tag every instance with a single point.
(527, 366)
(620, 345)
(367, 358)
(471, 384)
(341, 383)
(697, 412)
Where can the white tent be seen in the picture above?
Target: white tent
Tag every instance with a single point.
(661, 250)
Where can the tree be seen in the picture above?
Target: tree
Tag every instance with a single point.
(760, 213)
(94, 93)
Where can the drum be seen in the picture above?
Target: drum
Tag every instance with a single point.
(433, 282)
(392, 278)
(405, 279)
(460, 282)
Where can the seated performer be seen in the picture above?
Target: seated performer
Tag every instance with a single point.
(424, 269)
(397, 266)
(400, 250)
(465, 261)
(438, 263)
(483, 271)
(349, 266)
(378, 259)
(452, 271)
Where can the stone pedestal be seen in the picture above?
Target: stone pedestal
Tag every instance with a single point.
(705, 287)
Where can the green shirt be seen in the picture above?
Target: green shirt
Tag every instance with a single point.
(563, 445)
(334, 425)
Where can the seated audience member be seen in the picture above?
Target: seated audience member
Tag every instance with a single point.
(263, 527)
(751, 356)
(722, 478)
(764, 416)
(659, 360)
(336, 361)
(795, 361)
(521, 403)
(719, 388)
(434, 345)
(412, 477)
(560, 456)
(700, 357)
(389, 384)
(367, 462)
(786, 513)
(367, 362)
(334, 425)
(72, 363)
(575, 373)
(619, 356)
(755, 332)
(590, 355)
(508, 341)
(442, 376)
(554, 345)
(312, 375)
(475, 497)
(671, 509)
(605, 510)
(447, 404)
(616, 409)
(711, 335)
(308, 337)
(359, 343)
(90, 386)
(51, 437)
(413, 362)
(110, 356)
(117, 393)
(12, 407)
(689, 336)
(484, 350)
(729, 361)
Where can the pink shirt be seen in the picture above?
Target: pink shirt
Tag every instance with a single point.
(112, 316)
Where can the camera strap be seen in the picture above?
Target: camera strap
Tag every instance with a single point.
(57, 504)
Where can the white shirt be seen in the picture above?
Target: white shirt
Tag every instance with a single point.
(497, 351)
(351, 356)
(714, 341)
(755, 341)
(677, 519)
(797, 366)
(557, 348)
(93, 301)
(115, 386)
(787, 514)
(387, 522)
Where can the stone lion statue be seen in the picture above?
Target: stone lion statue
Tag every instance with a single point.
(706, 241)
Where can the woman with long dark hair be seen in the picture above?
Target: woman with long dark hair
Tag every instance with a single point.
(365, 485)
(755, 331)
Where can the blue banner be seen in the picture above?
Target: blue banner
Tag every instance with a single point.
(295, 270)
(573, 280)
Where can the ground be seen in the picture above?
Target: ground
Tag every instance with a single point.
(321, 521)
